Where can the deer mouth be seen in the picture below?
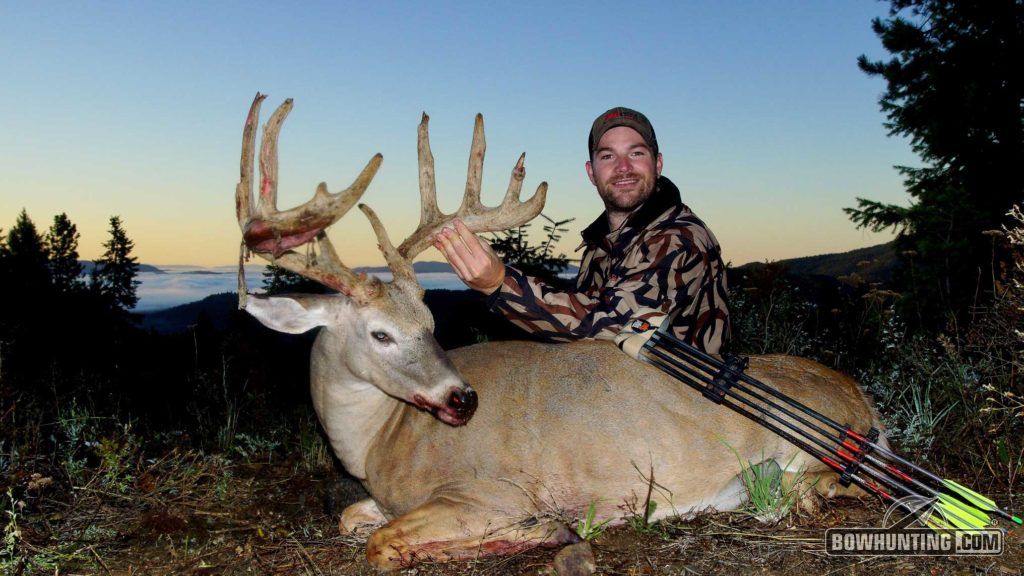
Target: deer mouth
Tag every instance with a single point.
(456, 411)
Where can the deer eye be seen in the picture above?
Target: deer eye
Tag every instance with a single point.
(381, 337)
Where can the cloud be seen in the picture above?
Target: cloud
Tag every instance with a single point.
(183, 284)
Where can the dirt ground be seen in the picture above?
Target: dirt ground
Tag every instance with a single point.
(190, 514)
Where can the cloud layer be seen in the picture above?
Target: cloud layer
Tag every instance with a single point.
(183, 284)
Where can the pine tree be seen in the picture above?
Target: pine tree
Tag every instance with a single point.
(115, 272)
(26, 255)
(3, 256)
(277, 280)
(27, 303)
(513, 247)
(955, 90)
(65, 269)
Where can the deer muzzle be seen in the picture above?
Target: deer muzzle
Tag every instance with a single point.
(457, 408)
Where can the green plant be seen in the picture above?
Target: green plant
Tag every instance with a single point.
(587, 528)
(116, 455)
(770, 496)
(640, 522)
(514, 248)
(12, 535)
(77, 424)
(771, 316)
(315, 456)
(920, 418)
(249, 447)
(639, 518)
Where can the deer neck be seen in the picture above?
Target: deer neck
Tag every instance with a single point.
(351, 410)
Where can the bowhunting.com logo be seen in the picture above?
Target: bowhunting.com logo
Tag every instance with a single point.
(914, 526)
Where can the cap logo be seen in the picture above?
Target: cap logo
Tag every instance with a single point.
(617, 114)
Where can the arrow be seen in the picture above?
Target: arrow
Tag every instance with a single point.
(967, 508)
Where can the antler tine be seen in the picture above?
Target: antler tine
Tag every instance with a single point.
(429, 212)
(243, 192)
(475, 172)
(401, 267)
(476, 216)
(268, 159)
(273, 234)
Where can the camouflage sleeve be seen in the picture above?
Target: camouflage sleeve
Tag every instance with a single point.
(669, 272)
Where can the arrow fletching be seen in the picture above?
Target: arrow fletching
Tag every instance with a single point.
(977, 500)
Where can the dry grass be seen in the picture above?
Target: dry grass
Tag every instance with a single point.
(186, 513)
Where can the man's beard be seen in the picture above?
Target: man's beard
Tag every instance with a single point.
(618, 202)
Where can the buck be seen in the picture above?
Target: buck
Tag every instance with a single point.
(491, 448)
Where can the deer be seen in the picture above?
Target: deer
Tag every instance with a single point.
(494, 448)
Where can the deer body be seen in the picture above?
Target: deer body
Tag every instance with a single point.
(584, 424)
(557, 427)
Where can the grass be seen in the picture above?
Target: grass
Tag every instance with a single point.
(769, 497)
(587, 527)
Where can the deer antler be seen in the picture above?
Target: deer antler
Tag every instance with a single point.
(477, 217)
(273, 235)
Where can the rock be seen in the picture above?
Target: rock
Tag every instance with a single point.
(575, 560)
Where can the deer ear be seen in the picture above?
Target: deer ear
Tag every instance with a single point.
(288, 314)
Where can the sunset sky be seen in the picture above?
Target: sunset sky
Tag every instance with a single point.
(136, 109)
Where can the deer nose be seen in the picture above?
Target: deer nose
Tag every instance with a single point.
(462, 401)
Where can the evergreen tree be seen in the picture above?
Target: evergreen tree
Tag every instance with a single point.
(26, 255)
(513, 247)
(277, 280)
(65, 269)
(25, 293)
(954, 88)
(3, 257)
(115, 272)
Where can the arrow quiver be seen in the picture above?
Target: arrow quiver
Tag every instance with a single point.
(862, 460)
(726, 377)
(860, 452)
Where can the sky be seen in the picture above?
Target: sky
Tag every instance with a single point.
(136, 109)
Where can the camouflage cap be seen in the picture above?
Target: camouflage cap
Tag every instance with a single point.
(620, 116)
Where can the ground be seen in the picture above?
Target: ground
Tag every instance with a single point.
(191, 514)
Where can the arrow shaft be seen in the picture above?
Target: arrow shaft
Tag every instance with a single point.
(665, 363)
(875, 467)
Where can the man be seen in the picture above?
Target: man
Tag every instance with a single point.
(647, 256)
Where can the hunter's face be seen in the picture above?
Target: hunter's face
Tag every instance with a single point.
(624, 169)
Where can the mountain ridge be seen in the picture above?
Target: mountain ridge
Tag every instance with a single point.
(873, 264)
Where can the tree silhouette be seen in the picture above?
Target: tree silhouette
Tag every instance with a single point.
(954, 88)
(277, 280)
(115, 272)
(65, 269)
(25, 292)
(513, 246)
(26, 258)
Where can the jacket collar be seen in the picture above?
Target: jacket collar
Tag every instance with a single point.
(665, 196)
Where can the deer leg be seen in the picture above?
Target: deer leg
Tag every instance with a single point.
(829, 487)
(443, 530)
(812, 487)
(360, 515)
(806, 487)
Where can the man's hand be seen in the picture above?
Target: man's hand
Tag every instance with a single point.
(472, 258)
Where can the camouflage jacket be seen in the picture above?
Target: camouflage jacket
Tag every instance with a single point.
(662, 258)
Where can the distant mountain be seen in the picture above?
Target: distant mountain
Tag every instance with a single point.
(873, 264)
(217, 309)
(418, 267)
(88, 265)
